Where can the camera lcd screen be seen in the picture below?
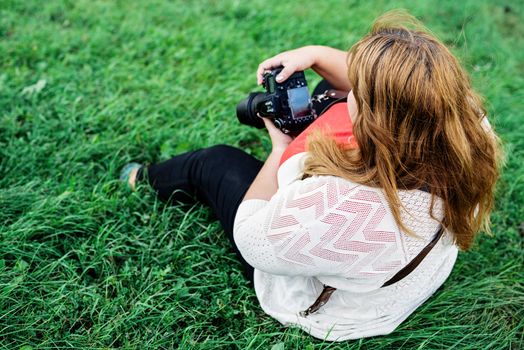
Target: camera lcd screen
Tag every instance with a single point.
(299, 102)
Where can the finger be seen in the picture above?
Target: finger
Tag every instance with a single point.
(260, 71)
(277, 136)
(286, 72)
(269, 125)
(265, 66)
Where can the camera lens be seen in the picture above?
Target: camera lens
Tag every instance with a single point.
(247, 110)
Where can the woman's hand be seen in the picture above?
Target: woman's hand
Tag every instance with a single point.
(279, 140)
(329, 63)
(294, 60)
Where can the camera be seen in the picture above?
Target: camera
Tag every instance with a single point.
(287, 104)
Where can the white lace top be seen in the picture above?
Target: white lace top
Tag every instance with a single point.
(328, 230)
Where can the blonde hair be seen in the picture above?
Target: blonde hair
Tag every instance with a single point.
(419, 125)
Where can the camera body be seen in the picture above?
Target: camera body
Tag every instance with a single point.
(287, 104)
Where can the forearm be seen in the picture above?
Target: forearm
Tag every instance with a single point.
(331, 64)
(265, 184)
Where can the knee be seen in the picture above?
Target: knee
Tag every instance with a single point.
(221, 148)
(219, 152)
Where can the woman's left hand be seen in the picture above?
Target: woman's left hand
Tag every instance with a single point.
(279, 140)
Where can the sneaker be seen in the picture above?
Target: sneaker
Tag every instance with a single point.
(126, 171)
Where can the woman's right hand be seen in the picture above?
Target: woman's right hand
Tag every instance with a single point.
(294, 60)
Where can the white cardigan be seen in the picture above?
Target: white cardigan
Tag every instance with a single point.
(328, 230)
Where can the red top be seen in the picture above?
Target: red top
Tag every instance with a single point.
(335, 122)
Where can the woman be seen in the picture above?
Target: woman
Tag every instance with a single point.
(347, 229)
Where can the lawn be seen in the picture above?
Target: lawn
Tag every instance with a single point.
(87, 86)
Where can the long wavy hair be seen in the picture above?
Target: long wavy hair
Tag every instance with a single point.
(419, 125)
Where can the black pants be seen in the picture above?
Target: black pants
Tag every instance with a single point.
(218, 176)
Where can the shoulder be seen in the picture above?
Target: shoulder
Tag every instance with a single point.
(368, 205)
(336, 187)
(336, 201)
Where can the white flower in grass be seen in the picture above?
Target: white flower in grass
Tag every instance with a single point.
(35, 88)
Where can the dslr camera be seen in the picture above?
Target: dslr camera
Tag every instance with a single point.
(287, 104)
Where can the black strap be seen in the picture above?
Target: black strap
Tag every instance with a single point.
(337, 94)
(406, 270)
(328, 98)
(321, 301)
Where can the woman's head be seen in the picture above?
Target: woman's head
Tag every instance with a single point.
(419, 124)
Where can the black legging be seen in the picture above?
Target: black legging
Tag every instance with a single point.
(218, 176)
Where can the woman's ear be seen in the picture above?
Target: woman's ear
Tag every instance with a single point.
(352, 106)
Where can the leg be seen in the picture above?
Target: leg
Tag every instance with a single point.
(218, 176)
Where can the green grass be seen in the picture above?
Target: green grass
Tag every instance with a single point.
(84, 263)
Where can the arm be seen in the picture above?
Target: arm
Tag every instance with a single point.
(265, 184)
(329, 63)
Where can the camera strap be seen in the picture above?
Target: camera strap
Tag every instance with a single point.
(328, 98)
(334, 94)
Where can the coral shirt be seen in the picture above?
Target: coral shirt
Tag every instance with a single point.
(335, 121)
